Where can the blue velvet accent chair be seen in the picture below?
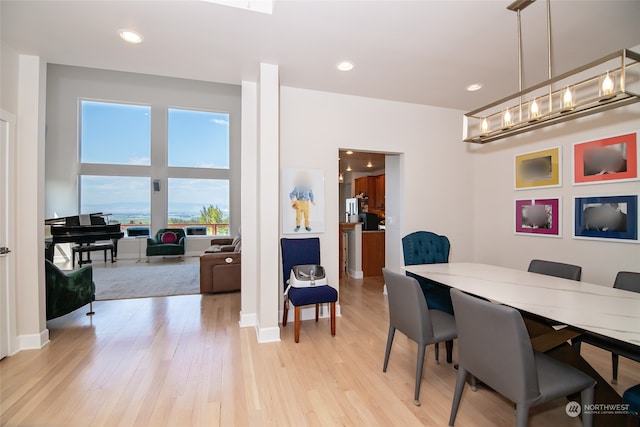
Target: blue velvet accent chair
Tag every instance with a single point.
(632, 398)
(425, 247)
(304, 252)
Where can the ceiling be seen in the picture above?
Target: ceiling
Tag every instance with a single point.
(423, 52)
(358, 161)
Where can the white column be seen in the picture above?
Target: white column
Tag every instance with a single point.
(29, 226)
(249, 202)
(269, 287)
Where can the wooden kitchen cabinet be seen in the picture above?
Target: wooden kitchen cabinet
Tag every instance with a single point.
(374, 188)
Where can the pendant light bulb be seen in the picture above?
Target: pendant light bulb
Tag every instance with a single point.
(567, 98)
(607, 85)
(485, 126)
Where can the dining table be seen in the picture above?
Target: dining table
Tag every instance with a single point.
(549, 303)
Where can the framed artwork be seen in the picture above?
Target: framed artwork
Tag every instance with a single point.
(606, 160)
(302, 201)
(606, 217)
(538, 169)
(539, 217)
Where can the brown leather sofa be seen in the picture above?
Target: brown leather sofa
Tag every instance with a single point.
(220, 266)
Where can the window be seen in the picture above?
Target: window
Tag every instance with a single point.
(194, 202)
(116, 168)
(198, 139)
(116, 134)
(126, 198)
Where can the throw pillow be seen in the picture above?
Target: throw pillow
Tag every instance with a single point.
(169, 237)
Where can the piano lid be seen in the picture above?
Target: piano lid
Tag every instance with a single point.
(75, 220)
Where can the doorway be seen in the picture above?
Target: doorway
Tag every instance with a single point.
(373, 179)
(7, 298)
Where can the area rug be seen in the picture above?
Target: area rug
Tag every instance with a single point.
(142, 281)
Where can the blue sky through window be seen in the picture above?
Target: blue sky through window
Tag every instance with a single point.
(126, 197)
(198, 139)
(188, 196)
(115, 133)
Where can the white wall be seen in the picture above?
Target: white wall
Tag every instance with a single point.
(8, 78)
(494, 195)
(434, 175)
(67, 85)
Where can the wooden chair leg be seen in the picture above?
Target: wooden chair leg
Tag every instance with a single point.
(333, 318)
(317, 311)
(296, 324)
(285, 312)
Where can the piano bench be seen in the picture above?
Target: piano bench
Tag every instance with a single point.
(80, 249)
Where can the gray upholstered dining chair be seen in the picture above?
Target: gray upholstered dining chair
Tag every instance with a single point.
(629, 281)
(408, 312)
(556, 269)
(494, 347)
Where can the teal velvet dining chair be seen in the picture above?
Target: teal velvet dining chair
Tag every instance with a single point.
(425, 247)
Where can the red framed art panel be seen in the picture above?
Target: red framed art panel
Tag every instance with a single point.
(606, 160)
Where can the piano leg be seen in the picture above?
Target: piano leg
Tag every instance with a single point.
(114, 253)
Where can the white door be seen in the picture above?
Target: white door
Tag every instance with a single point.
(6, 217)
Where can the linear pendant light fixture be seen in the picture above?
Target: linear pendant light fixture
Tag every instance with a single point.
(610, 82)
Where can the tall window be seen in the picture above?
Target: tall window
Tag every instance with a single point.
(199, 202)
(126, 198)
(198, 139)
(115, 134)
(118, 135)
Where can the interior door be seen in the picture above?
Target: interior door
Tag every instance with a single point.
(6, 258)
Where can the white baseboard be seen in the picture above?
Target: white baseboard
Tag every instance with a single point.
(266, 335)
(309, 312)
(356, 274)
(248, 320)
(33, 341)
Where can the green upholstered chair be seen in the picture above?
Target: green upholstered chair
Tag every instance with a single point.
(167, 241)
(68, 291)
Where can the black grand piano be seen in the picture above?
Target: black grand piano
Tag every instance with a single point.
(82, 230)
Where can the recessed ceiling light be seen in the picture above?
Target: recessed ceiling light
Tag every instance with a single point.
(130, 36)
(349, 152)
(474, 87)
(349, 168)
(369, 165)
(345, 66)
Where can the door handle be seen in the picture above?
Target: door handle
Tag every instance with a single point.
(4, 251)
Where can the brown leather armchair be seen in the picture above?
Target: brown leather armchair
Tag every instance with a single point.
(220, 271)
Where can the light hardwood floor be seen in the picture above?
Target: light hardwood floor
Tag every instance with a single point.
(182, 361)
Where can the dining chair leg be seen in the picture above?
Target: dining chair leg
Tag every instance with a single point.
(419, 366)
(317, 311)
(296, 324)
(586, 398)
(390, 335)
(449, 347)
(333, 318)
(614, 366)
(285, 312)
(474, 383)
(461, 379)
(522, 415)
(437, 351)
